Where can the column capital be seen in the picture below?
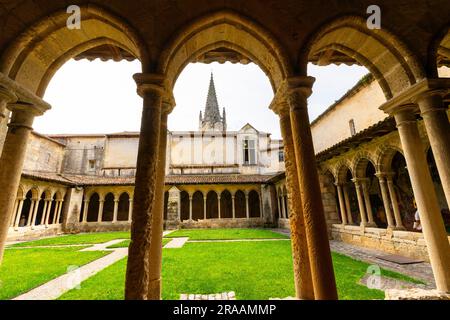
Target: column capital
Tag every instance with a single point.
(300, 84)
(150, 82)
(23, 115)
(381, 175)
(6, 96)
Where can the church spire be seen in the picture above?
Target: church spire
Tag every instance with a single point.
(211, 119)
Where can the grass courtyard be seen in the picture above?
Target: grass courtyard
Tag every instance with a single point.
(253, 269)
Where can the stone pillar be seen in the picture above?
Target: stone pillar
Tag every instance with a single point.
(45, 212)
(341, 203)
(347, 205)
(19, 213)
(233, 206)
(58, 215)
(130, 209)
(393, 195)
(425, 196)
(85, 210)
(279, 206)
(362, 210)
(116, 209)
(247, 211)
(151, 88)
(190, 207)
(283, 207)
(155, 255)
(365, 189)
(218, 205)
(30, 212)
(204, 207)
(437, 125)
(33, 219)
(11, 163)
(101, 204)
(322, 273)
(386, 202)
(302, 269)
(13, 216)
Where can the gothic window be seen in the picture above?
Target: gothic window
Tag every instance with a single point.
(249, 152)
(281, 156)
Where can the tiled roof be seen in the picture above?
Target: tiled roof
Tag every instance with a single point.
(72, 180)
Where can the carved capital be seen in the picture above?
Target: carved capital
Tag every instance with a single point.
(150, 83)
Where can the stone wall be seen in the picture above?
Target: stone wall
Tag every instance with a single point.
(409, 244)
(223, 223)
(43, 154)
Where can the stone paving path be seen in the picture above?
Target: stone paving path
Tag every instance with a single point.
(176, 243)
(58, 286)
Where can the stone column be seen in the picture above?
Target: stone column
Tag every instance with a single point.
(130, 209)
(386, 202)
(30, 213)
(393, 195)
(190, 207)
(101, 205)
(13, 216)
(425, 196)
(247, 211)
(155, 255)
(85, 210)
(233, 206)
(11, 163)
(302, 270)
(116, 209)
(365, 189)
(322, 273)
(362, 210)
(347, 205)
(437, 125)
(204, 206)
(33, 219)
(218, 205)
(341, 203)
(19, 213)
(283, 207)
(151, 88)
(279, 206)
(58, 215)
(45, 213)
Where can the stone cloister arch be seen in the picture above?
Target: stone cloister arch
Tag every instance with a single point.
(28, 64)
(43, 48)
(403, 79)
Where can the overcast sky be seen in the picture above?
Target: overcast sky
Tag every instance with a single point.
(100, 97)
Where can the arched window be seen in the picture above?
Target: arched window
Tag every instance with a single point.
(25, 213)
(108, 208)
(226, 209)
(212, 209)
(254, 206)
(124, 207)
(239, 203)
(184, 210)
(197, 206)
(94, 203)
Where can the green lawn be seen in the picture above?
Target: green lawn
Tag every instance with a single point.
(226, 234)
(126, 243)
(254, 270)
(82, 238)
(25, 269)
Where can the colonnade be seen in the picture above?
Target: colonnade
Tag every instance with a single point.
(100, 212)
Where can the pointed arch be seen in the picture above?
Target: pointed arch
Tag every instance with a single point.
(225, 29)
(398, 69)
(32, 59)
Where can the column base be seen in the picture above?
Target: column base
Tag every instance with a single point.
(371, 225)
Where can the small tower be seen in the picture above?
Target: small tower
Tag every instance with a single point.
(212, 121)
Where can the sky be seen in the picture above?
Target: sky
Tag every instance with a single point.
(100, 97)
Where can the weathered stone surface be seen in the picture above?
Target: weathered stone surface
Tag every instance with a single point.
(415, 294)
